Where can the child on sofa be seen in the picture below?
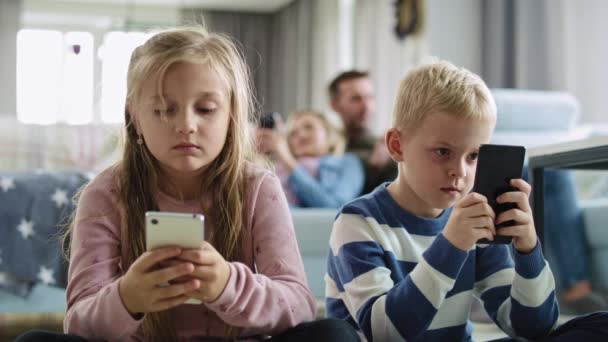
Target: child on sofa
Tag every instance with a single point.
(310, 161)
(187, 150)
(403, 261)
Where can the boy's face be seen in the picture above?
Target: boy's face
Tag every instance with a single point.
(438, 160)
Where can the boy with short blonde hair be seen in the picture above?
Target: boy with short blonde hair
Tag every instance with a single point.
(403, 261)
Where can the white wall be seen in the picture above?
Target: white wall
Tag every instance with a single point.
(454, 31)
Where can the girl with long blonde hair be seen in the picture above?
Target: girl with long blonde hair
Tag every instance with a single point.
(188, 149)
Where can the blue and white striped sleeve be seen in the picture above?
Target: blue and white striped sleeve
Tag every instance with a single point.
(359, 276)
(520, 299)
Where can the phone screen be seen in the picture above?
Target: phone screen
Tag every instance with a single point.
(496, 166)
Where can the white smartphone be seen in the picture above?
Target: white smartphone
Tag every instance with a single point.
(174, 229)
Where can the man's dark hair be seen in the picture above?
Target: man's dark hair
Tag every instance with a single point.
(342, 77)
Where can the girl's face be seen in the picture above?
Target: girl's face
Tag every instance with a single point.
(197, 111)
(308, 137)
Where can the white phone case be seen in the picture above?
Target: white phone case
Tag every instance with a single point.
(175, 229)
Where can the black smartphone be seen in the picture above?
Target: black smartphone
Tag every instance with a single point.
(267, 120)
(496, 166)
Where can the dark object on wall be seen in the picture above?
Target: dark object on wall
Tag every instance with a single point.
(410, 18)
(76, 48)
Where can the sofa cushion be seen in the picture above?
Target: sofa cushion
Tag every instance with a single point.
(599, 272)
(595, 214)
(313, 228)
(536, 110)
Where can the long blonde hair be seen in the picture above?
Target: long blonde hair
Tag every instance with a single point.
(138, 172)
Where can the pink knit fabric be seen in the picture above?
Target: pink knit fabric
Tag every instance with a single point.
(270, 300)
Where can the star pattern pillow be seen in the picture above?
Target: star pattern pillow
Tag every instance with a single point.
(34, 209)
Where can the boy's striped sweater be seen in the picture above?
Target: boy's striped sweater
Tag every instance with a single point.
(394, 276)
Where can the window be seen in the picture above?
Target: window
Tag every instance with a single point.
(54, 77)
(55, 80)
(114, 55)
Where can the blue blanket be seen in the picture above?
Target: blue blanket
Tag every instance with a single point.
(34, 208)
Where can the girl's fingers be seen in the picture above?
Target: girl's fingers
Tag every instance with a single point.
(176, 289)
(166, 274)
(150, 258)
(202, 256)
(169, 303)
(205, 273)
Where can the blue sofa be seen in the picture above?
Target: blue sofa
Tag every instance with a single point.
(525, 117)
(529, 118)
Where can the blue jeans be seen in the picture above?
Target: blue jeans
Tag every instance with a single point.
(564, 229)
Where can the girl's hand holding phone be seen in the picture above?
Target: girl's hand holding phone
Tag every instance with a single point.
(523, 230)
(211, 270)
(140, 289)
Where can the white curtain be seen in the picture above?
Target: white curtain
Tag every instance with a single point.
(312, 43)
(549, 45)
(378, 50)
(10, 12)
(293, 53)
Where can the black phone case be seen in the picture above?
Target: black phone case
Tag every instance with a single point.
(496, 166)
(267, 120)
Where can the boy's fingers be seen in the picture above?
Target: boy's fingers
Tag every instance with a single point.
(484, 222)
(471, 199)
(517, 215)
(522, 186)
(483, 233)
(515, 231)
(518, 197)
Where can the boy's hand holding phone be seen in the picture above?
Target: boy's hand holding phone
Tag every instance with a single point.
(522, 229)
(140, 289)
(471, 219)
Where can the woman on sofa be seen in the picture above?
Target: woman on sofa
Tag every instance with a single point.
(310, 161)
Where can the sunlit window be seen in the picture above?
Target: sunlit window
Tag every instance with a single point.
(115, 54)
(54, 77)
